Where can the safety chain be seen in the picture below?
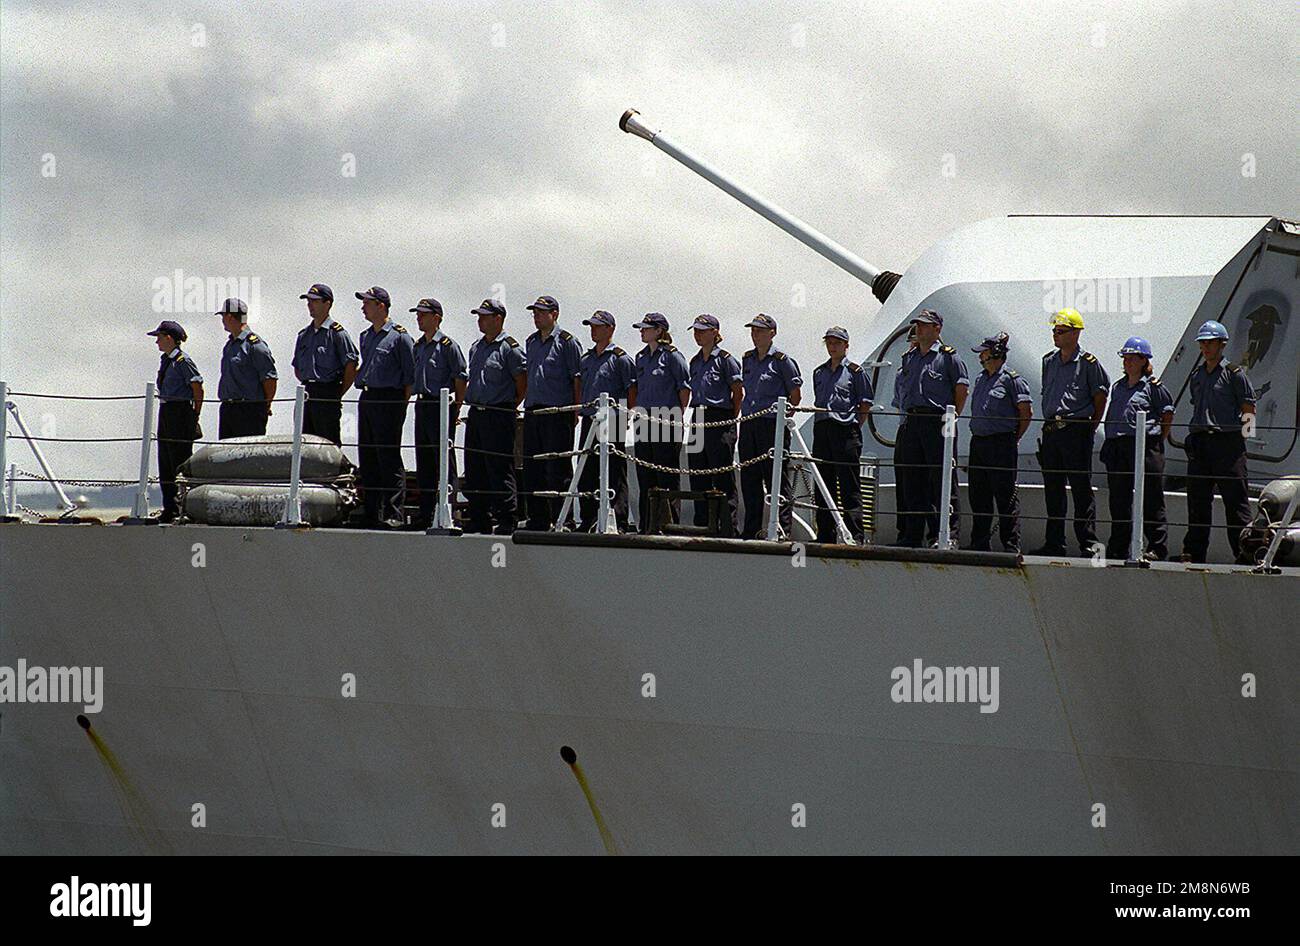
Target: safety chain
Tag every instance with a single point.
(712, 471)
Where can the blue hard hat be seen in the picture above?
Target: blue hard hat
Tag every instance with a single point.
(1211, 330)
(1136, 345)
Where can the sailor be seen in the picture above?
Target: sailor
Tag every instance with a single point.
(843, 389)
(933, 376)
(498, 380)
(1073, 398)
(1138, 390)
(1223, 410)
(1001, 408)
(439, 363)
(767, 373)
(386, 378)
(247, 386)
(716, 396)
(325, 360)
(553, 356)
(663, 391)
(180, 397)
(605, 369)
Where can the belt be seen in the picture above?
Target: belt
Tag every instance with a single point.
(1065, 423)
(483, 407)
(371, 388)
(318, 382)
(912, 411)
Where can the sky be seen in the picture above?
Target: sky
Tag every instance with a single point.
(470, 149)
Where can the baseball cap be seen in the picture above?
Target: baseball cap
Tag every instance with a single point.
(546, 304)
(377, 293)
(999, 342)
(837, 331)
(428, 305)
(233, 307)
(319, 290)
(489, 307)
(652, 320)
(599, 317)
(761, 321)
(705, 321)
(168, 327)
(928, 317)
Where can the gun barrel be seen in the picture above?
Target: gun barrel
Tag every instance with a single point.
(851, 263)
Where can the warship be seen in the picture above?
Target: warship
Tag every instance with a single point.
(562, 692)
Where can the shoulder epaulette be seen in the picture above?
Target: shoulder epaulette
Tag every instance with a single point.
(855, 368)
(1090, 357)
(336, 326)
(445, 340)
(750, 353)
(399, 329)
(565, 335)
(723, 353)
(510, 340)
(947, 349)
(1153, 379)
(1049, 354)
(1233, 368)
(669, 347)
(618, 352)
(779, 356)
(1011, 373)
(253, 338)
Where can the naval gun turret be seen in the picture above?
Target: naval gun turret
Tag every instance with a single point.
(1158, 276)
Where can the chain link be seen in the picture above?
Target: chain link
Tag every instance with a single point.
(713, 471)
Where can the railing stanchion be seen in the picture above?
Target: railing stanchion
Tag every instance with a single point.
(778, 468)
(605, 523)
(945, 487)
(140, 511)
(443, 524)
(292, 518)
(1139, 489)
(11, 492)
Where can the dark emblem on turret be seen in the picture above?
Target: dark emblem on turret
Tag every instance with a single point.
(1263, 323)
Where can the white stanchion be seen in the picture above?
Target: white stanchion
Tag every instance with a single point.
(140, 511)
(778, 468)
(292, 518)
(1139, 488)
(945, 488)
(443, 524)
(841, 527)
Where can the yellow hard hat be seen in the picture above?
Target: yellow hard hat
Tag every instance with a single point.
(1067, 317)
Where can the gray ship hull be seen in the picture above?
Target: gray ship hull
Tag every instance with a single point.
(475, 659)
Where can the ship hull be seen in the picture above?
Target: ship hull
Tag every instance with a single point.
(227, 653)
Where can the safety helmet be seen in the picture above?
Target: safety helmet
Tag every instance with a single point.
(1212, 330)
(1136, 346)
(1070, 318)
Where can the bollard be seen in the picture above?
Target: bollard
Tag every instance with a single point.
(945, 489)
(442, 520)
(778, 468)
(292, 518)
(140, 511)
(1139, 489)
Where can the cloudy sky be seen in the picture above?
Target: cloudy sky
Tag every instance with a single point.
(462, 149)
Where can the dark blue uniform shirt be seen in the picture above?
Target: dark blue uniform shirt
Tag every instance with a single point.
(995, 402)
(610, 372)
(930, 379)
(493, 367)
(320, 354)
(438, 362)
(387, 357)
(176, 372)
(1217, 397)
(840, 390)
(660, 375)
(245, 363)
(553, 363)
(1147, 395)
(712, 378)
(767, 379)
(1068, 387)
